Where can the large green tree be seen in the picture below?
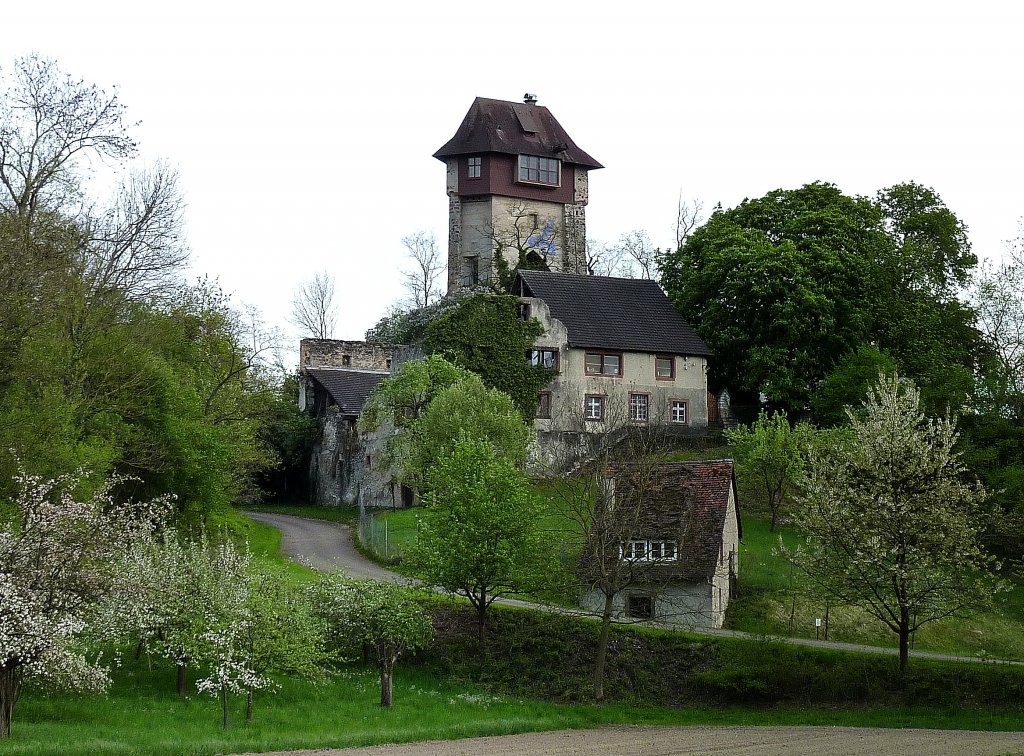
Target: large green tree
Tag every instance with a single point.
(786, 287)
(480, 534)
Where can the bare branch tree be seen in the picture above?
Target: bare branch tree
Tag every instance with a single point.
(135, 246)
(637, 246)
(605, 521)
(423, 280)
(313, 307)
(608, 260)
(47, 121)
(688, 215)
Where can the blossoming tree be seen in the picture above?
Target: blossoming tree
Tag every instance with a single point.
(57, 555)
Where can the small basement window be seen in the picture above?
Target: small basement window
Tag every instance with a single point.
(640, 606)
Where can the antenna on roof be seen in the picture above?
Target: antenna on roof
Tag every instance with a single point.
(530, 99)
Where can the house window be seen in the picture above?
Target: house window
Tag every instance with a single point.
(640, 606)
(543, 358)
(598, 363)
(472, 271)
(522, 311)
(473, 165)
(544, 404)
(593, 407)
(346, 360)
(538, 170)
(662, 550)
(638, 407)
(645, 550)
(679, 413)
(665, 368)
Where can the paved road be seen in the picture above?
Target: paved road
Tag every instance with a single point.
(675, 741)
(329, 546)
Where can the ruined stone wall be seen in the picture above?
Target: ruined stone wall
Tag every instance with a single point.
(336, 353)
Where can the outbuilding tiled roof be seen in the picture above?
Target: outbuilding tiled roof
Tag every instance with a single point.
(349, 388)
(686, 501)
(614, 314)
(513, 128)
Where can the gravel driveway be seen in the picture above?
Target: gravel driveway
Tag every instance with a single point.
(670, 741)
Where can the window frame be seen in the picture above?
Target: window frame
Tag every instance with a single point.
(474, 167)
(600, 399)
(672, 363)
(540, 351)
(524, 311)
(541, 397)
(668, 550)
(672, 411)
(602, 355)
(647, 407)
(540, 160)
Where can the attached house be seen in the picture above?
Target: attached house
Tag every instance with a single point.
(678, 535)
(623, 353)
(335, 380)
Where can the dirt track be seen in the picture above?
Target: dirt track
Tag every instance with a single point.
(670, 741)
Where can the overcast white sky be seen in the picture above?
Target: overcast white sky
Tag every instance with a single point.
(303, 131)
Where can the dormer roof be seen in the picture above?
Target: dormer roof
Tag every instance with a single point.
(513, 128)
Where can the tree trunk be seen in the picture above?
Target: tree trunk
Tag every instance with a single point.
(10, 687)
(481, 616)
(248, 706)
(180, 687)
(387, 679)
(602, 649)
(904, 639)
(224, 706)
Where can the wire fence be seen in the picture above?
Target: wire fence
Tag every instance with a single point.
(375, 537)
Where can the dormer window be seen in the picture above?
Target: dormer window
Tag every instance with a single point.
(473, 167)
(534, 169)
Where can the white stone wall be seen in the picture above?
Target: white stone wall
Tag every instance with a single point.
(572, 385)
(728, 555)
(681, 604)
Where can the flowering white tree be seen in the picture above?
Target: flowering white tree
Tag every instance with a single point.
(171, 594)
(275, 629)
(891, 523)
(57, 558)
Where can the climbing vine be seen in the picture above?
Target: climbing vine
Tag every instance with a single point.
(484, 335)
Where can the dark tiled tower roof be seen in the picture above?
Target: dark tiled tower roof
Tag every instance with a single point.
(513, 128)
(616, 314)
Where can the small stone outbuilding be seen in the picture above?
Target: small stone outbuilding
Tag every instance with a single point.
(680, 539)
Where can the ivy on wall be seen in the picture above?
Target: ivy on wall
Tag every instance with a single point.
(483, 334)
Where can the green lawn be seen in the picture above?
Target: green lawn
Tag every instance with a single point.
(142, 715)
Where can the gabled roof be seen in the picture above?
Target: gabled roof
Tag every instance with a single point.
(349, 388)
(513, 128)
(614, 314)
(695, 495)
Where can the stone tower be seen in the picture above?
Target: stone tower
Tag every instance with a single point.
(517, 191)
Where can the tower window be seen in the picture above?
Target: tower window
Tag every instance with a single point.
(473, 167)
(472, 271)
(534, 169)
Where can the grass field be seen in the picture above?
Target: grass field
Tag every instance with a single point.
(766, 601)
